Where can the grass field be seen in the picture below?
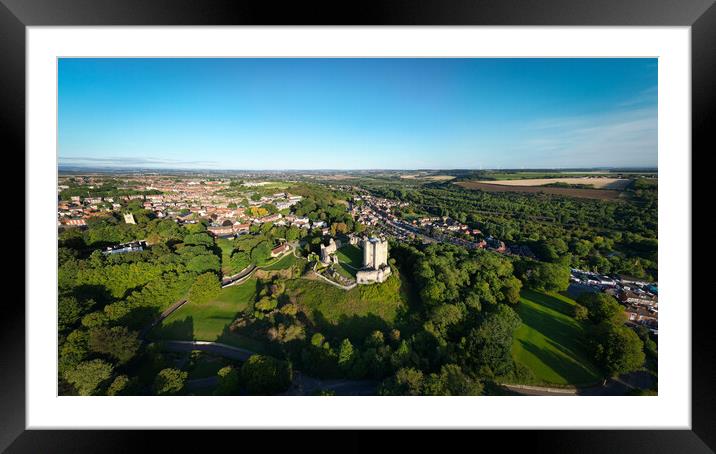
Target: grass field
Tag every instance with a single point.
(354, 313)
(351, 255)
(283, 263)
(550, 342)
(210, 321)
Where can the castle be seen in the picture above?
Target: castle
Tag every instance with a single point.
(375, 261)
(328, 253)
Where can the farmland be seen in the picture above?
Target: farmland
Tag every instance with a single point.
(595, 182)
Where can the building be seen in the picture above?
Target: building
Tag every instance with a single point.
(643, 299)
(129, 218)
(375, 253)
(375, 262)
(134, 246)
(222, 230)
(74, 222)
(241, 228)
(328, 253)
(275, 252)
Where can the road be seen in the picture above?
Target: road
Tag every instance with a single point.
(619, 386)
(236, 277)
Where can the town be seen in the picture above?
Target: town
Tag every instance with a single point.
(296, 255)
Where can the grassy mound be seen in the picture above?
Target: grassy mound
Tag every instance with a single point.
(353, 313)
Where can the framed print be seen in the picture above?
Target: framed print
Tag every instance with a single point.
(414, 217)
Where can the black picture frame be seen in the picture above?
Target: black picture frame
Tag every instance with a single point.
(16, 15)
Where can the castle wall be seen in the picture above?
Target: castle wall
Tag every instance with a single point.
(367, 253)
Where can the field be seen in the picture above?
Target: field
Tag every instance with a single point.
(354, 313)
(283, 263)
(210, 321)
(550, 342)
(597, 183)
(350, 255)
(601, 194)
(427, 177)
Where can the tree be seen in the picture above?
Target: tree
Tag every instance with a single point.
(487, 349)
(204, 289)
(451, 381)
(346, 356)
(511, 290)
(549, 277)
(240, 260)
(265, 375)
(204, 263)
(407, 381)
(199, 239)
(87, 376)
(229, 381)
(70, 310)
(73, 350)
(616, 348)
(266, 304)
(446, 315)
(117, 342)
(120, 386)
(580, 312)
(261, 253)
(169, 381)
(602, 307)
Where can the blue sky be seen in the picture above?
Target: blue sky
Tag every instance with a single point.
(358, 113)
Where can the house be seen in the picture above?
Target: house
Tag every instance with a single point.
(134, 246)
(221, 230)
(270, 218)
(643, 299)
(241, 228)
(642, 317)
(74, 222)
(278, 250)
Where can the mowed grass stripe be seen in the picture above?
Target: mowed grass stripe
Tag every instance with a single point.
(551, 342)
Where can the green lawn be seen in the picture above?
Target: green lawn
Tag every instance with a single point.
(354, 313)
(351, 255)
(210, 321)
(227, 246)
(550, 342)
(283, 263)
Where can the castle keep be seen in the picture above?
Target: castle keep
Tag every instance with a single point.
(375, 261)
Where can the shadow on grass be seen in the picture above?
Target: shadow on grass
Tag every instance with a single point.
(551, 317)
(354, 327)
(549, 301)
(174, 330)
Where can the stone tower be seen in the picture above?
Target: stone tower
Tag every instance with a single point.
(375, 253)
